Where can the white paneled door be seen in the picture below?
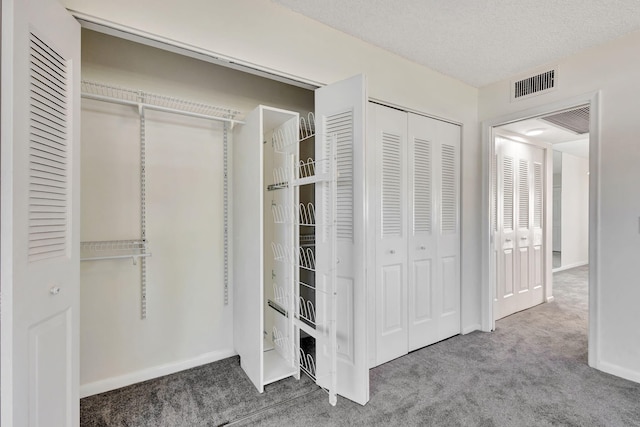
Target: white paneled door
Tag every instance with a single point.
(519, 205)
(416, 203)
(391, 231)
(434, 231)
(340, 112)
(40, 214)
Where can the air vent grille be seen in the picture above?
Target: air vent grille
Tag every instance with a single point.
(535, 84)
(576, 121)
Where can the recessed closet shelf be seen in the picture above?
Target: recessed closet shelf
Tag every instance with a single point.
(152, 101)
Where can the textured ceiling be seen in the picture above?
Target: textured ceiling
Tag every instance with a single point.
(477, 41)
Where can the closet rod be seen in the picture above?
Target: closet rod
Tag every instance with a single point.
(157, 108)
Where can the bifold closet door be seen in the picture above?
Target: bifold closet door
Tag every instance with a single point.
(434, 237)
(390, 140)
(415, 195)
(520, 202)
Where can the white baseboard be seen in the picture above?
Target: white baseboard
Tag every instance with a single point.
(113, 383)
(619, 371)
(468, 329)
(568, 266)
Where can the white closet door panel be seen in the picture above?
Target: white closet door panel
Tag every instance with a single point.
(434, 239)
(538, 218)
(534, 241)
(506, 173)
(345, 101)
(389, 139)
(523, 285)
(421, 297)
(248, 243)
(40, 217)
(424, 287)
(448, 245)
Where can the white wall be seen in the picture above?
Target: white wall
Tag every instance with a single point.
(187, 322)
(272, 37)
(612, 69)
(575, 211)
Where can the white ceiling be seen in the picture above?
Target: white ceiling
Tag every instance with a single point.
(562, 140)
(478, 41)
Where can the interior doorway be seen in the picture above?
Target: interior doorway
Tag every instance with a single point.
(519, 204)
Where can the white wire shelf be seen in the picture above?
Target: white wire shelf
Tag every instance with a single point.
(281, 296)
(141, 99)
(284, 253)
(285, 138)
(114, 249)
(281, 342)
(283, 214)
(311, 171)
(306, 310)
(307, 126)
(307, 364)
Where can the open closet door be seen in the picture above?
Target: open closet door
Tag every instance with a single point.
(40, 214)
(340, 115)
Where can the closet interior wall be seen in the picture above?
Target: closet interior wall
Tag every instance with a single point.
(187, 322)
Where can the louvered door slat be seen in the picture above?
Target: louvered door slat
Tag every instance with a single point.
(48, 182)
(39, 160)
(391, 185)
(537, 182)
(422, 186)
(46, 109)
(449, 196)
(507, 192)
(494, 186)
(341, 125)
(523, 194)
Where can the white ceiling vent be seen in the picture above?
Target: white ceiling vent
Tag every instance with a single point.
(534, 85)
(576, 120)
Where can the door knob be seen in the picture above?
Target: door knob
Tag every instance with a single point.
(392, 251)
(507, 240)
(423, 247)
(523, 238)
(54, 290)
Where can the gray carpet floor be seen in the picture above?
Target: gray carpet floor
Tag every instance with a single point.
(532, 371)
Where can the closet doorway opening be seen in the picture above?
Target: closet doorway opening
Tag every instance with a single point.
(541, 182)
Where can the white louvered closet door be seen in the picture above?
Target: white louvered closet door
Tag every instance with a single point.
(417, 227)
(40, 215)
(340, 111)
(390, 140)
(434, 237)
(422, 245)
(520, 214)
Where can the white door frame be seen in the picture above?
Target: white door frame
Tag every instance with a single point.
(488, 250)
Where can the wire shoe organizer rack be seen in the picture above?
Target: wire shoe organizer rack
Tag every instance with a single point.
(310, 253)
(137, 249)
